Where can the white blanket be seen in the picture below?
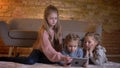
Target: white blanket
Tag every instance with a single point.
(40, 65)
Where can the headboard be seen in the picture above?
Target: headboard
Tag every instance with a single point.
(79, 27)
(68, 26)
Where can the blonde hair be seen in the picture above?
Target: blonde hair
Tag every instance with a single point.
(71, 37)
(45, 26)
(95, 36)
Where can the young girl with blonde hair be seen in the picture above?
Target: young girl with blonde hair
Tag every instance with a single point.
(72, 47)
(93, 49)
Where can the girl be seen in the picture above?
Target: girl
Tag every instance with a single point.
(49, 42)
(71, 47)
(93, 49)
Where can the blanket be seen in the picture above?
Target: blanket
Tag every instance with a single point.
(40, 65)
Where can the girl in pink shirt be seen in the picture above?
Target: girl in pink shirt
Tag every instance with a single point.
(49, 43)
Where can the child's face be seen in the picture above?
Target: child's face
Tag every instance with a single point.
(72, 45)
(90, 42)
(52, 18)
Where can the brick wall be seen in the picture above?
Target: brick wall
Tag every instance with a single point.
(106, 12)
(112, 43)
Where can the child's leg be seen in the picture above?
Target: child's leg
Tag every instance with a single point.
(35, 56)
(42, 58)
(24, 60)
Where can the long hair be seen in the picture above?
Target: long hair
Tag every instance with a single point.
(95, 36)
(56, 28)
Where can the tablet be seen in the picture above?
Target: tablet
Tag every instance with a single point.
(78, 62)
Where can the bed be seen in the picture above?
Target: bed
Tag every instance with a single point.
(40, 65)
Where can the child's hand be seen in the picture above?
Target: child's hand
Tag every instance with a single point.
(86, 65)
(87, 53)
(67, 61)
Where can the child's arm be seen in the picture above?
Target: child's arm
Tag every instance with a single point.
(86, 56)
(50, 52)
(89, 55)
(98, 57)
(95, 61)
(61, 62)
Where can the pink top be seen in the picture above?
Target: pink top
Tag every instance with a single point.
(48, 50)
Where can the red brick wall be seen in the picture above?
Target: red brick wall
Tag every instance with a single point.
(106, 12)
